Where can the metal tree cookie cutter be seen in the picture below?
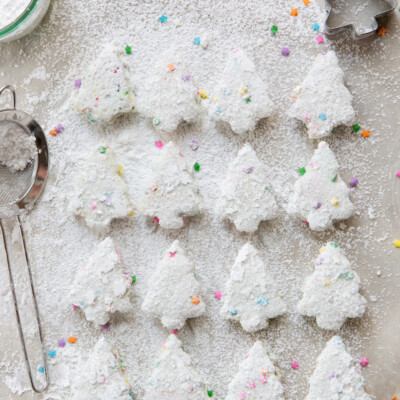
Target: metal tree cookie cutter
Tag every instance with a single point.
(18, 191)
(361, 17)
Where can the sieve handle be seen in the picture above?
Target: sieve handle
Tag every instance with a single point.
(17, 313)
(12, 90)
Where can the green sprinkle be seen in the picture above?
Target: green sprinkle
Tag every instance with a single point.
(247, 99)
(348, 276)
(102, 149)
(333, 244)
(126, 93)
(274, 29)
(356, 127)
(133, 277)
(156, 121)
(196, 166)
(210, 393)
(302, 170)
(333, 179)
(267, 186)
(128, 49)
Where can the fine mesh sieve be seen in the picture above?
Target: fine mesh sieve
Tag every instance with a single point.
(18, 191)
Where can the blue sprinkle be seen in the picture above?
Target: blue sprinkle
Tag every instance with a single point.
(337, 340)
(41, 369)
(322, 116)
(315, 26)
(196, 40)
(233, 311)
(262, 300)
(162, 18)
(51, 353)
(218, 110)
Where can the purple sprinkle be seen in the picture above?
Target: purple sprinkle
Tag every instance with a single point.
(332, 375)
(61, 342)
(318, 205)
(319, 261)
(353, 182)
(248, 170)
(285, 51)
(78, 82)
(105, 327)
(194, 145)
(59, 128)
(185, 77)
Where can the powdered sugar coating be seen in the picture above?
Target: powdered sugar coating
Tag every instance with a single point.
(320, 196)
(246, 195)
(173, 307)
(337, 376)
(101, 194)
(331, 293)
(101, 375)
(241, 97)
(322, 101)
(102, 288)
(171, 192)
(258, 378)
(170, 97)
(251, 296)
(106, 90)
(174, 377)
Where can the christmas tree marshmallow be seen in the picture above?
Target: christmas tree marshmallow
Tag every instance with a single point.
(246, 195)
(174, 293)
(251, 296)
(337, 376)
(171, 193)
(102, 287)
(101, 375)
(105, 91)
(101, 194)
(320, 196)
(170, 97)
(331, 293)
(241, 97)
(257, 378)
(174, 378)
(322, 102)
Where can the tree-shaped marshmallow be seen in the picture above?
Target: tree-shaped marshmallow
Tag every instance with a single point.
(173, 293)
(258, 378)
(251, 296)
(101, 375)
(101, 194)
(320, 197)
(171, 193)
(246, 194)
(337, 376)
(105, 91)
(330, 293)
(241, 97)
(174, 377)
(102, 287)
(170, 97)
(323, 102)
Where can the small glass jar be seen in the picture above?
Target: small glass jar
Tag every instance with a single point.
(25, 22)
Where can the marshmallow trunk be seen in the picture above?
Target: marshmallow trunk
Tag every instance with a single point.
(322, 101)
(251, 296)
(247, 196)
(241, 97)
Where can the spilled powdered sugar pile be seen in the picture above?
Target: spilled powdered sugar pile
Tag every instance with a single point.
(44, 67)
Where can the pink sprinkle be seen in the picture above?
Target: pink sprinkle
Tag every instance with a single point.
(159, 144)
(174, 331)
(164, 342)
(242, 395)
(217, 294)
(155, 219)
(78, 83)
(251, 384)
(398, 174)
(294, 364)
(262, 379)
(304, 221)
(93, 205)
(74, 306)
(319, 39)
(364, 361)
(172, 253)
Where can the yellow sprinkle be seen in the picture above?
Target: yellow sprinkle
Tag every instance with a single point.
(203, 93)
(334, 201)
(326, 281)
(215, 98)
(322, 249)
(397, 243)
(242, 90)
(120, 168)
(130, 212)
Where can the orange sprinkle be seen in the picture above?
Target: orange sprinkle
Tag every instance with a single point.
(365, 133)
(293, 12)
(306, 2)
(170, 67)
(394, 398)
(53, 132)
(195, 300)
(72, 339)
(381, 30)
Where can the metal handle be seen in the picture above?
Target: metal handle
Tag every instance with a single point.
(21, 333)
(12, 90)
